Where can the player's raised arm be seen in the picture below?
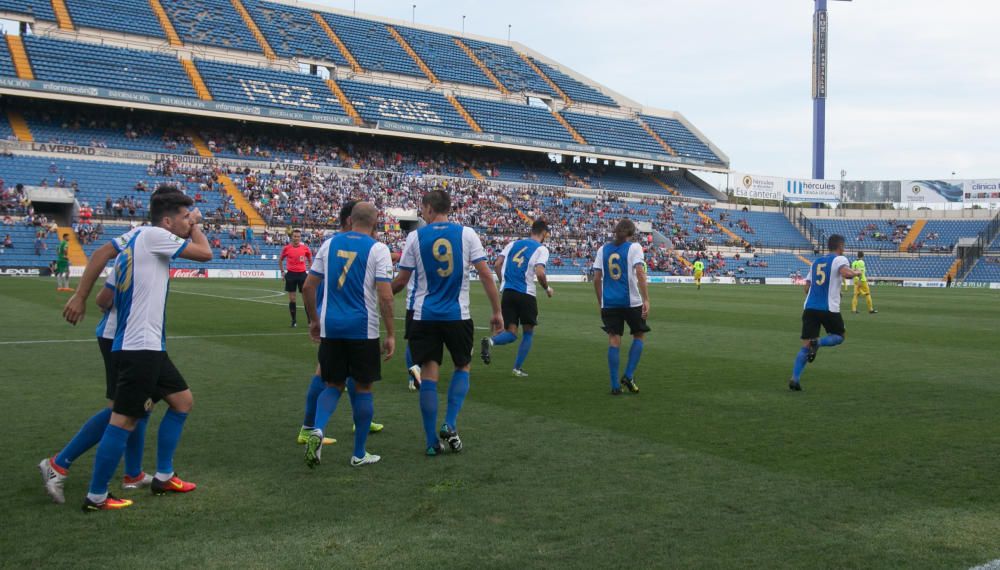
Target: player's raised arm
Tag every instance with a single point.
(198, 248)
(76, 306)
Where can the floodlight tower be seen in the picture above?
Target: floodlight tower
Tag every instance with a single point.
(819, 65)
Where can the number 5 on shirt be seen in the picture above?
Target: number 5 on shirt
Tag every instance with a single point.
(821, 273)
(350, 256)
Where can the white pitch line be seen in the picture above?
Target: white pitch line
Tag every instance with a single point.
(991, 565)
(181, 337)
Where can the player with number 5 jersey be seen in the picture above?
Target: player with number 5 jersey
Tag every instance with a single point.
(438, 257)
(520, 264)
(822, 306)
(620, 284)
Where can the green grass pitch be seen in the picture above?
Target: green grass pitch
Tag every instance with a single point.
(889, 459)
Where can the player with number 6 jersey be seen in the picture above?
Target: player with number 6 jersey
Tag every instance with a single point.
(520, 264)
(438, 257)
(620, 284)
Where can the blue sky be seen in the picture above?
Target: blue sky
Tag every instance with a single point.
(914, 84)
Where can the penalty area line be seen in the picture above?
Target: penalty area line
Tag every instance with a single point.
(991, 565)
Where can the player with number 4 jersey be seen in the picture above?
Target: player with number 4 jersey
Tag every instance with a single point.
(822, 306)
(438, 257)
(519, 265)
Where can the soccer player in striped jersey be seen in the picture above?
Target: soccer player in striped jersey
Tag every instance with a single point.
(145, 372)
(438, 256)
(822, 306)
(519, 264)
(55, 469)
(355, 271)
(620, 284)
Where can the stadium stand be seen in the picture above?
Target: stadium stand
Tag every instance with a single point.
(210, 22)
(929, 266)
(293, 32)
(132, 17)
(508, 67)
(869, 235)
(986, 270)
(40, 9)
(613, 132)
(6, 64)
(576, 90)
(111, 67)
(268, 87)
(680, 138)
(445, 59)
(372, 45)
(24, 249)
(383, 103)
(516, 120)
(944, 234)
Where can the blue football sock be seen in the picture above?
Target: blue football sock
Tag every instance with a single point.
(109, 454)
(134, 448)
(409, 358)
(831, 340)
(90, 434)
(364, 410)
(523, 349)
(614, 355)
(634, 354)
(457, 389)
(315, 387)
(326, 404)
(167, 439)
(801, 359)
(429, 410)
(506, 337)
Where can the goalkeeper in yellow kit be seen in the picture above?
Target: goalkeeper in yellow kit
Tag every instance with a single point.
(861, 284)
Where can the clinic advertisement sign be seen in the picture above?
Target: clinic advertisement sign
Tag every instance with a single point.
(932, 191)
(981, 191)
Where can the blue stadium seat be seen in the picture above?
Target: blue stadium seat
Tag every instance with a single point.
(267, 87)
(40, 9)
(383, 103)
(130, 17)
(372, 45)
(878, 239)
(516, 120)
(683, 141)
(986, 270)
(110, 67)
(443, 56)
(293, 32)
(949, 232)
(23, 252)
(574, 89)
(922, 267)
(612, 132)
(508, 67)
(210, 22)
(6, 64)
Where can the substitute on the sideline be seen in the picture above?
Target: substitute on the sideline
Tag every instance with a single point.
(145, 372)
(519, 264)
(299, 257)
(861, 285)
